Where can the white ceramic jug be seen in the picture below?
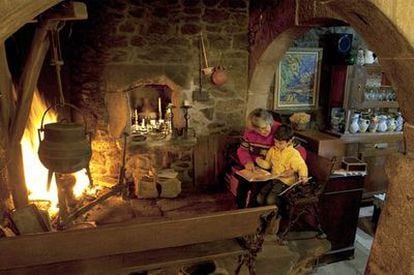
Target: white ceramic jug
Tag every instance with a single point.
(354, 126)
(369, 57)
(382, 123)
(399, 122)
(363, 125)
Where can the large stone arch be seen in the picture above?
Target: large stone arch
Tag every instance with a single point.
(394, 51)
(389, 37)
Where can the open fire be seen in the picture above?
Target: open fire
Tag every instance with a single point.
(35, 173)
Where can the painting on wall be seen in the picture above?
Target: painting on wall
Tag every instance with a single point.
(297, 79)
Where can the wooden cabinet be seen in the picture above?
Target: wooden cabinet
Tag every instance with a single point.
(321, 143)
(366, 93)
(367, 88)
(372, 148)
(339, 207)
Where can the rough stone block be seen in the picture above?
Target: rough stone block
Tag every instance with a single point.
(170, 188)
(146, 188)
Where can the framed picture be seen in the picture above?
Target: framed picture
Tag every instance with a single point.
(297, 79)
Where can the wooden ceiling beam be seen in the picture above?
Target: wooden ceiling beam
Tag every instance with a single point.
(65, 11)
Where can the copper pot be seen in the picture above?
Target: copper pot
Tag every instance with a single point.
(219, 76)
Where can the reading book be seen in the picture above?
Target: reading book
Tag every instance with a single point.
(292, 186)
(257, 174)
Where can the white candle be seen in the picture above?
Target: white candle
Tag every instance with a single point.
(143, 123)
(159, 107)
(186, 103)
(136, 116)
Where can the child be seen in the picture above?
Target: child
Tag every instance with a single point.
(285, 161)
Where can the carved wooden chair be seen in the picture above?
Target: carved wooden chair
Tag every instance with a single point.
(304, 199)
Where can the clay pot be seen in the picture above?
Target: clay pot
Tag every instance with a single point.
(219, 76)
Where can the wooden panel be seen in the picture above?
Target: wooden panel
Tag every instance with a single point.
(209, 159)
(322, 144)
(134, 262)
(127, 238)
(339, 211)
(376, 181)
(203, 167)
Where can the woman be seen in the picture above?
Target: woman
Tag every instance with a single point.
(257, 140)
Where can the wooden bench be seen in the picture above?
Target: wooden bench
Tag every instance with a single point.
(137, 246)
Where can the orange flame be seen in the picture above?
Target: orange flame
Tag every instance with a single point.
(35, 173)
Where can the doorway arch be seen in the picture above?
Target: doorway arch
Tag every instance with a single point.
(391, 251)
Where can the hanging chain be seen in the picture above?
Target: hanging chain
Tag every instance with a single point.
(56, 59)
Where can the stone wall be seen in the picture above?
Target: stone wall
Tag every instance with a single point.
(124, 41)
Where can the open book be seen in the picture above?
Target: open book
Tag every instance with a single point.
(257, 174)
(292, 186)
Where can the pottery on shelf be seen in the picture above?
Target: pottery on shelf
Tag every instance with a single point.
(382, 123)
(354, 126)
(399, 122)
(363, 125)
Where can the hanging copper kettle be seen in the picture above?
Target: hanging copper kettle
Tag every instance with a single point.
(219, 76)
(66, 146)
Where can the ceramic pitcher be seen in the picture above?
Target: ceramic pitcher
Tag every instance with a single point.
(373, 124)
(363, 125)
(382, 123)
(391, 124)
(354, 126)
(399, 122)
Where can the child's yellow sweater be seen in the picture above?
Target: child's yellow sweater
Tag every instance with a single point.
(283, 160)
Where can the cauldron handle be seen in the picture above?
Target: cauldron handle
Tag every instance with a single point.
(62, 105)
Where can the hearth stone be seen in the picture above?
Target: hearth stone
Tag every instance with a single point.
(146, 188)
(170, 188)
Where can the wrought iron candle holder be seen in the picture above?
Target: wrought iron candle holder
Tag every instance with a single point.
(185, 109)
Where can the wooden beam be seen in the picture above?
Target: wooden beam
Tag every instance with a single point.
(30, 250)
(66, 11)
(6, 112)
(29, 78)
(131, 263)
(16, 13)
(6, 97)
(25, 91)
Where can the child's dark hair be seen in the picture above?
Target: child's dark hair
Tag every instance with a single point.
(284, 132)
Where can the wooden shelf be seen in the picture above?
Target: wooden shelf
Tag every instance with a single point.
(372, 68)
(377, 104)
(368, 137)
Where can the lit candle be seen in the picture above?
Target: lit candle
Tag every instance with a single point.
(159, 107)
(136, 117)
(186, 103)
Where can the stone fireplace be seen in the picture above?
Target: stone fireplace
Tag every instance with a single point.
(143, 102)
(128, 48)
